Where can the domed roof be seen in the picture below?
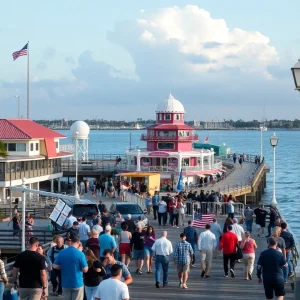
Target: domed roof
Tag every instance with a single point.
(170, 105)
(81, 128)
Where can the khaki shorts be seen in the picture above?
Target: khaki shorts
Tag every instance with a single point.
(206, 254)
(183, 268)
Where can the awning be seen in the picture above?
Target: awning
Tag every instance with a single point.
(201, 175)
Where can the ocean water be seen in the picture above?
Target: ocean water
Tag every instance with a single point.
(240, 141)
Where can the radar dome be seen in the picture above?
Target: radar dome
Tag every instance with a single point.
(170, 105)
(82, 128)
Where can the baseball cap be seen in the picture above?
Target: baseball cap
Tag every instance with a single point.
(129, 216)
(107, 227)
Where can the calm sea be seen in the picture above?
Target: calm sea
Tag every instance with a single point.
(287, 158)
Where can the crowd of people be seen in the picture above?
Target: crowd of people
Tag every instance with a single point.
(93, 261)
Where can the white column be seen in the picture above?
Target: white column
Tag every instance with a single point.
(212, 157)
(3, 194)
(179, 161)
(209, 160)
(52, 186)
(138, 161)
(59, 189)
(38, 188)
(202, 162)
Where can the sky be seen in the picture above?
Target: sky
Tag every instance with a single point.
(119, 59)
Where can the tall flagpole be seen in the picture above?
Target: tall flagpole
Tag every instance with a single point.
(28, 102)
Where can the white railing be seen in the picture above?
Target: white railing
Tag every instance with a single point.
(135, 198)
(66, 148)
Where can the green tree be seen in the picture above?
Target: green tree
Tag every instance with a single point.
(3, 152)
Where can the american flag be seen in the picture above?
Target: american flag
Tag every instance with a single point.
(200, 220)
(21, 52)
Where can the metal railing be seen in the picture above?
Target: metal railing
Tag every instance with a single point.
(135, 198)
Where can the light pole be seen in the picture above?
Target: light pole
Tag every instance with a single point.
(18, 102)
(296, 75)
(76, 195)
(274, 141)
(261, 146)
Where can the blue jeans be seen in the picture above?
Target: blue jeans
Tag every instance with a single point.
(193, 244)
(162, 262)
(2, 288)
(289, 268)
(249, 224)
(90, 292)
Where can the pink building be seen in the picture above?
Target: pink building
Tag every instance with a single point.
(170, 148)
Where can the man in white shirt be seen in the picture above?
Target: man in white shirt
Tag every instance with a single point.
(162, 248)
(84, 230)
(113, 288)
(238, 230)
(98, 226)
(70, 220)
(162, 212)
(206, 244)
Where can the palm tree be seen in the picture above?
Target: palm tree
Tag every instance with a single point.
(3, 152)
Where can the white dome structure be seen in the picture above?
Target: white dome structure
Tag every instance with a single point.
(80, 136)
(81, 128)
(170, 105)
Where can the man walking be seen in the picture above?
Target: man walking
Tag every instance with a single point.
(272, 222)
(192, 238)
(248, 216)
(137, 245)
(32, 268)
(260, 214)
(206, 244)
(113, 288)
(183, 254)
(289, 244)
(229, 243)
(162, 212)
(106, 241)
(155, 200)
(215, 228)
(73, 230)
(238, 230)
(52, 255)
(162, 248)
(270, 265)
(72, 264)
(84, 230)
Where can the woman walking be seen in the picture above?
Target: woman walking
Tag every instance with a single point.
(181, 211)
(93, 276)
(124, 246)
(149, 240)
(175, 213)
(248, 246)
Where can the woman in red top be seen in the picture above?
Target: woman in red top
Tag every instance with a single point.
(248, 247)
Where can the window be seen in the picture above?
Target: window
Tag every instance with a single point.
(21, 147)
(2, 168)
(160, 117)
(56, 145)
(12, 147)
(37, 147)
(22, 166)
(167, 117)
(177, 117)
(31, 147)
(18, 166)
(165, 146)
(186, 161)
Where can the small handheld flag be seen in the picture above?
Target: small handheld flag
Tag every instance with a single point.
(206, 139)
(21, 52)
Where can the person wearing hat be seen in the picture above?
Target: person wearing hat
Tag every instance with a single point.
(106, 241)
(130, 223)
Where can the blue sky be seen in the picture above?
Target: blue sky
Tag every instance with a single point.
(119, 59)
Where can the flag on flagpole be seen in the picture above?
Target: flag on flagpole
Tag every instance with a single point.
(21, 52)
(180, 185)
(206, 139)
(200, 220)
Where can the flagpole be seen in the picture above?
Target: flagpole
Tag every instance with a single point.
(28, 103)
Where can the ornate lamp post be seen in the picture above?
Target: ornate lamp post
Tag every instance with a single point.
(296, 75)
(274, 141)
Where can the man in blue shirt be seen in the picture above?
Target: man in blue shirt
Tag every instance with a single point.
(270, 265)
(192, 238)
(155, 200)
(106, 241)
(72, 264)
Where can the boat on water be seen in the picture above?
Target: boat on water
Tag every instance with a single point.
(263, 127)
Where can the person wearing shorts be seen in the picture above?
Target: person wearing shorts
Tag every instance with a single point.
(183, 255)
(149, 239)
(270, 266)
(124, 246)
(137, 245)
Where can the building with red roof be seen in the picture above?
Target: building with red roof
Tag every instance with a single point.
(170, 149)
(33, 153)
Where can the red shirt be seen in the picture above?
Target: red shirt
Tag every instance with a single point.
(228, 243)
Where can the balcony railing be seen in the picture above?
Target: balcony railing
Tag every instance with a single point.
(146, 137)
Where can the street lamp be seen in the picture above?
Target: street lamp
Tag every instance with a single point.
(261, 145)
(18, 100)
(296, 75)
(76, 195)
(274, 141)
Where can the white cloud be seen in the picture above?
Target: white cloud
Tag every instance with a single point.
(195, 32)
(142, 11)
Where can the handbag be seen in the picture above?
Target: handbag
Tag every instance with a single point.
(239, 253)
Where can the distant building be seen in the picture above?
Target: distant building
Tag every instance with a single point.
(216, 125)
(33, 153)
